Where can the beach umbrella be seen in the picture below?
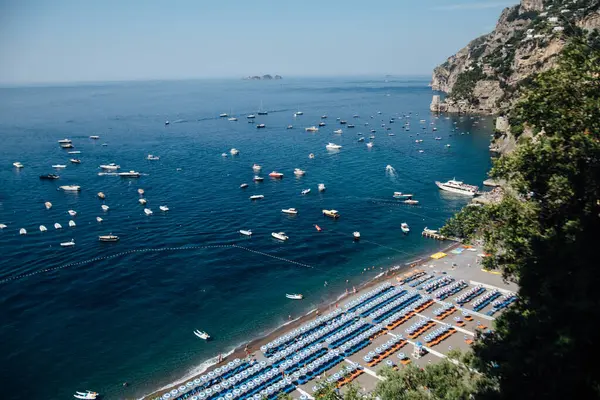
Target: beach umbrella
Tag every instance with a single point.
(174, 392)
(190, 384)
(194, 398)
(166, 396)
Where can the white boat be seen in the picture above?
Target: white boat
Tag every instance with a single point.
(260, 126)
(70, 243)
(311, 129)
(22, 231)
(63, 141)
(163, 208)
(448, 145)
(59, 166)
(362, 139)
(104, 207)
(130, 174)
(411, 202)
(223, 115)
(279, 235)
(299, 112)
(356, 235)
(289, 211)
(438, 138)
(331, 214)
(458, 187)
(224, 155)
(110, 167)
(256, 168)
(108, 238)
(421, 151)
(299, 172)
(257, 197)
(323, 116)
(389, 168)
(311, 156)
(72, 213)
(370, 144)
(148, 211)
(321, 187)
(399, 195)
(75, 161)
(142, 201)
(305, 191)
(234, 152)
(3, 226)
(333, 146)
(338, 131)
(152, 157)
(57, 226)
(258, 178)
(17, 164)
(289, 127)
(48, 205)
(72, 224)
(88, 395)
(321, 124)
(246, 232)
(74, 152)
(405, 228)
(251, 116)
(243, 186)
(276, 174)
(294, 296)
(99, 219)
(232, 119)
(43, 228)
(95, 137)
(202, 334)
(66, 145)
(430, 231)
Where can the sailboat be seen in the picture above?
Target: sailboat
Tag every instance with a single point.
(261, 111)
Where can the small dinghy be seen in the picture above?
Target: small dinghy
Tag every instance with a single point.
(305, 191)
(243, 186)
(299, 172)
(99, 219)
(104, 207)
(318, 228)
(101, 195)
(256, 168)
(86, 395)
(70, 243)
(57, 226)
(202, 334)
(75, 160)
(405, 228)
(142, 201)
(72, 224)
(246, 232)
(48, 205)
(356, 235)
(140, 191)
(163, 208)
(72, 213)
(148, 211)
(22, 231)
(43, 228)
(294, 296)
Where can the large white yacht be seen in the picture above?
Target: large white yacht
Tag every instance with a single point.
(130, 174)
(459, 187)
(110, 167)
(280, 235)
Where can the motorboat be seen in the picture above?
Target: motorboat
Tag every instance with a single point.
(70, 188)
(458, 187)
(323, 116)
(321, 187)
(257, 197)
(140, 191)
(338, 131)
(311, 156)
(234, 152)
(99, 219)
(311, 129)
(163, 208)
(275, 174)
(438, 138)
(243, 186)
(379, 112)
(72, 213)
(167, 122)
(362, 139)
(333, 146)
(223, 115)
(202, 334)
(405, 228)
(428, 231)
(342, 122)
(43, 228)
(321, 123)
(258, 178)
(22, 231)
(260, 126)
(148, 211)
(110, 167)
(142, 201)
(373, 131)
(64, 141)
(57, 226)
(250, 116)
(372, 137)
(17, 164)
(289, 127)
(48, 205)
(280, 235)
(399, 195)
(74, 152)
(391, 134)
(59, 166)
(75, 161)
(370, 144)
(104, 207)
(256, 168)
(66, 145)
(130, 174)
(294, 296)
(87, 395)
(232, 119)
(108, 238)
(448, 145)
(49, 176)
(299, 112)
(299, 172)
(331, 214)
(292, 211)
(223, 154)
(421, 151)
(152, 157)
(419, 141)
(389, 168)
(411, 202)
(356, 235)
(305, 191)
(101, 195)
(72, 224)
(246, 232)
(318, 228)
(350, 126)
(355, 116)
(95, 137)
(70, 243)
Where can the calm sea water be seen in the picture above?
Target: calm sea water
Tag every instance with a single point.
(130, 317)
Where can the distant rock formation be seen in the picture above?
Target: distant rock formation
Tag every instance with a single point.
(266, 77)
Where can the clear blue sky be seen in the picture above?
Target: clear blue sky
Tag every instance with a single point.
(97, 40)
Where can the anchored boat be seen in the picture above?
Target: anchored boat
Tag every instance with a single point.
(108, 238)
(294, 296)
(246, 232)
(331, 214)
(280, 235)
(202, 334)
(405, 228)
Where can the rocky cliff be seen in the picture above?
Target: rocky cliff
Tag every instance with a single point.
(485, 76)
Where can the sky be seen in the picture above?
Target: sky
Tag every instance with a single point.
(43, 41)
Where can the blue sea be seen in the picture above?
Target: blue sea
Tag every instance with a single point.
(99, 314)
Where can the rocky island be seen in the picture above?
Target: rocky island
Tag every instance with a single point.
(266, 77)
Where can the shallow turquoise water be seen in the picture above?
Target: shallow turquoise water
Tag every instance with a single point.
(131, 317)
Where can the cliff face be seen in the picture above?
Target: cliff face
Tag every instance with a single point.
(484, 77)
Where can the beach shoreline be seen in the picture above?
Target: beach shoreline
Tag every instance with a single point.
(241, 351)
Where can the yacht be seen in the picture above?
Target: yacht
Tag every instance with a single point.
(223, 115)
(331, 213)
(59, 166)
(246, 232)
(75, 160)
(459, 187)
(299, 112)
(104, 207)
(66, 146)
(299, 172)
(356, 235)
(294, 296)
(234, 152)
(101, 195)
(321, 123)
(333, 146)
(321, 187)
(17, 164)
(48, 205)
(338, 131)
(289, 211)
(130, 174)
(260, 126)
(142, 201)
(421, 151)
(49, 176)
(99, 219)
(258, 179)
(311, 129)
(72, 213)
(152, 157)
(110, 167)
(57, 226)
(257, 197)
(70, 188)
(276, 174)
(279, 235)
(399, 195)
(108, 238)
(243, 186)
(411, 202)
(404, 227)
(95, 137)
(232, 119)
(163, 208)
(22, 231)
(72, 224)
(148, 211)
(202, 334)
(256, 168)
(87, 395)
(64, 141)
(373, 131)
(43, 228)
(305, 191)
(70, 243)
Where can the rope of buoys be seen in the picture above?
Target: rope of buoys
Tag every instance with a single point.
(272, 256)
